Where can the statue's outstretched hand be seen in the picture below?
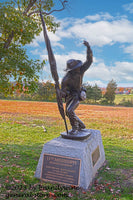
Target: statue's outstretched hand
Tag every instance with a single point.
(86, 43)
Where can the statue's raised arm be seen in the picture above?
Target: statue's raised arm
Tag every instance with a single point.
(89, 58)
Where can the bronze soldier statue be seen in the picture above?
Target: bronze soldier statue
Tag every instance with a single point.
(72, 90)
(71, 86)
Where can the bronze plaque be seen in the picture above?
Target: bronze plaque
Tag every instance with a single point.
(95, 155)
(61, 169)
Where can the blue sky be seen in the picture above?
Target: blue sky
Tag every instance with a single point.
(107, 26)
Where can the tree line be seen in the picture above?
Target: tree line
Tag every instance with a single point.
(46, 92)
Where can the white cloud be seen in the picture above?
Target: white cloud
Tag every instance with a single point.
(34, 43)
(104, 32)
(100, 29)
(35, 52)
(124, 71)
(99, 71)
(101, 16)
(129, 7)
(96, 82)
(129, 49)
(121, 71)
(54, 38)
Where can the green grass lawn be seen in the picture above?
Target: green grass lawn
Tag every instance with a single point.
(21, 140)
(120, 97)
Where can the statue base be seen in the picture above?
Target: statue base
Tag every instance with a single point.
(82, 135)
(71, 162)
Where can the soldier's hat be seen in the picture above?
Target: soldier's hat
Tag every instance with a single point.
(73, 64)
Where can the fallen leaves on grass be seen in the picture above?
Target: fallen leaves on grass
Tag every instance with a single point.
(16, 180)
(83, 192)
(14, 165)
(6, 159)
(16, 156)
(70, 195)
(112, 187)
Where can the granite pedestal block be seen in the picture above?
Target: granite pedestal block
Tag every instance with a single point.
(90, 152)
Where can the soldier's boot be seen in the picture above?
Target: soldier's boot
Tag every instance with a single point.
(81, 124)
(74, 123)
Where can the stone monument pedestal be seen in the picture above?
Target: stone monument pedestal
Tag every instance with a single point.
(71, 162)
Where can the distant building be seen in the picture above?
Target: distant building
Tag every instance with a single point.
(120, 90)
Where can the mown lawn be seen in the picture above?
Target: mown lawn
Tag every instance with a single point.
(123, 97)
(26, 126)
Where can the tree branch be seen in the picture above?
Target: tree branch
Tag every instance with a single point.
(48, 13)
(29, 6)
(7, 43)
